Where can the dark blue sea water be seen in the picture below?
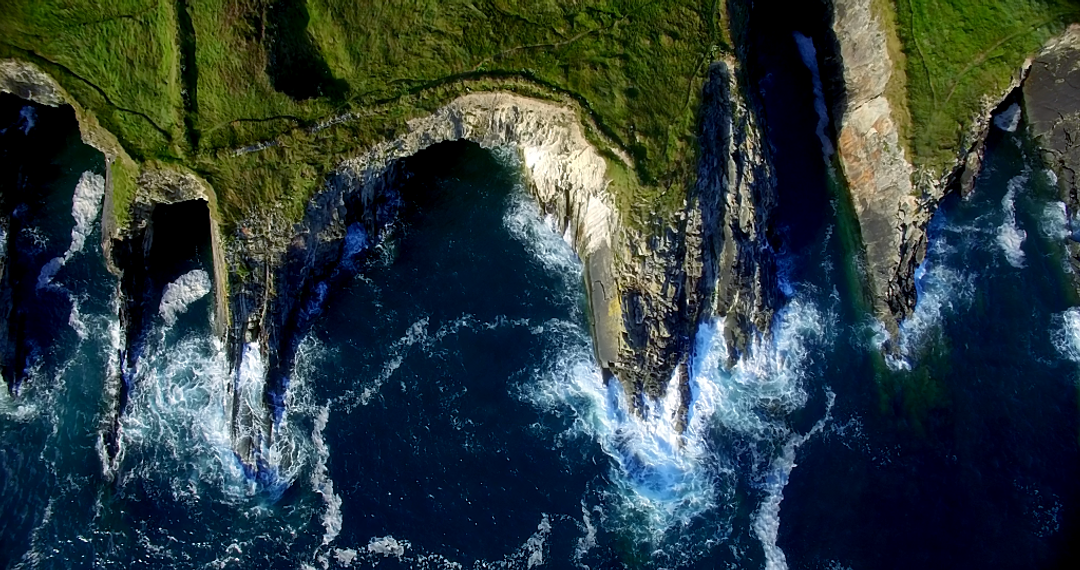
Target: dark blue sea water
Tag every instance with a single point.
(445, 410)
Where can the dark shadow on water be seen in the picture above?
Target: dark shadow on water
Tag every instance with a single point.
(37, 147)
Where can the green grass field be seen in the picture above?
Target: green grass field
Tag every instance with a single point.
(189, 81)
(960, 52)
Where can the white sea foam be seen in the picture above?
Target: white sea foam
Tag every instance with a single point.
(1051, 177)
(809, 57)
(540, 235)
(388, 546)
(183, 398)
(1066, 335)
(1008, 119)
(588, 541)
(416, 336)
(941, 289)
(1055, 221)
(760, 391)
(767, 518)
(177, 415)
(1010, 237)
(180, 294)
(85, 208)
(251, 414)
(321, 482)
(666, 478)
(345, 556)
(27, 119)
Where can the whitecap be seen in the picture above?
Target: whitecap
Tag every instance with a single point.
(1010, 237)
(85, 208)
(321, 482)
(1051, 176)
(181, 293)
(663, 478)
(1066, 336)
(388, 546)
(540, 235)
(940, 289)
(1055, 221)
(766, 523)
(1009, 119)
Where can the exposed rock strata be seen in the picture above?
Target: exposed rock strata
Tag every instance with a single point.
(646, 291)
(893, 202)
(567, 176)
(714, 258)
(1052, 105)
(879, 176)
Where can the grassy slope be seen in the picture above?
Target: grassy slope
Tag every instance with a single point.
(961, 51)
(117, 57)
(635, 66)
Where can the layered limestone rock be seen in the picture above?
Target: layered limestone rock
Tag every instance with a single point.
(893, 202)
(645, 290)
(1052, 106)
(715, 259)
(891, 217)
(566, 173)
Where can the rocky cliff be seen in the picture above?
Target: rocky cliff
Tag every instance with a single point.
(891, 216)
(645, 292)
(1051, 96)
(893, 201)
(647, 289)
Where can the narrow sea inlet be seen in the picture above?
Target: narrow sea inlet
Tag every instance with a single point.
(445, 410)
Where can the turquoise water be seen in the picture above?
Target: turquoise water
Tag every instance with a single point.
(444, 409)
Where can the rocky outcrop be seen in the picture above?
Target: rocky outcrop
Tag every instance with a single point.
(646, 290)
(1052, 107)
(715, 259)
(566, 173)
(891, 217)
(893, 202)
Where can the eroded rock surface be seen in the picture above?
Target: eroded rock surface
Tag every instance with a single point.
(879, 175)
(1052, 105)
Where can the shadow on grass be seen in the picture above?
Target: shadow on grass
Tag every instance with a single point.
(294, 64)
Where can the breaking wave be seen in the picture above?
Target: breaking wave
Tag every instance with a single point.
(665, 479)
(1066, 335)
(180, 294)
(1010, 237)
(85, 208)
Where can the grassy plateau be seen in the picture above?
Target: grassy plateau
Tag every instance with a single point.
(192, 81)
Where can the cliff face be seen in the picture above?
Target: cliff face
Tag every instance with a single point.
(892, 219)
(714, 259)
(1052, 106)
(567, 176)
(645, 292)
(893, 201)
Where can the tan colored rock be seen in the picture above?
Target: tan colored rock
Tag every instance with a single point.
(878, 174)
(561, 163)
